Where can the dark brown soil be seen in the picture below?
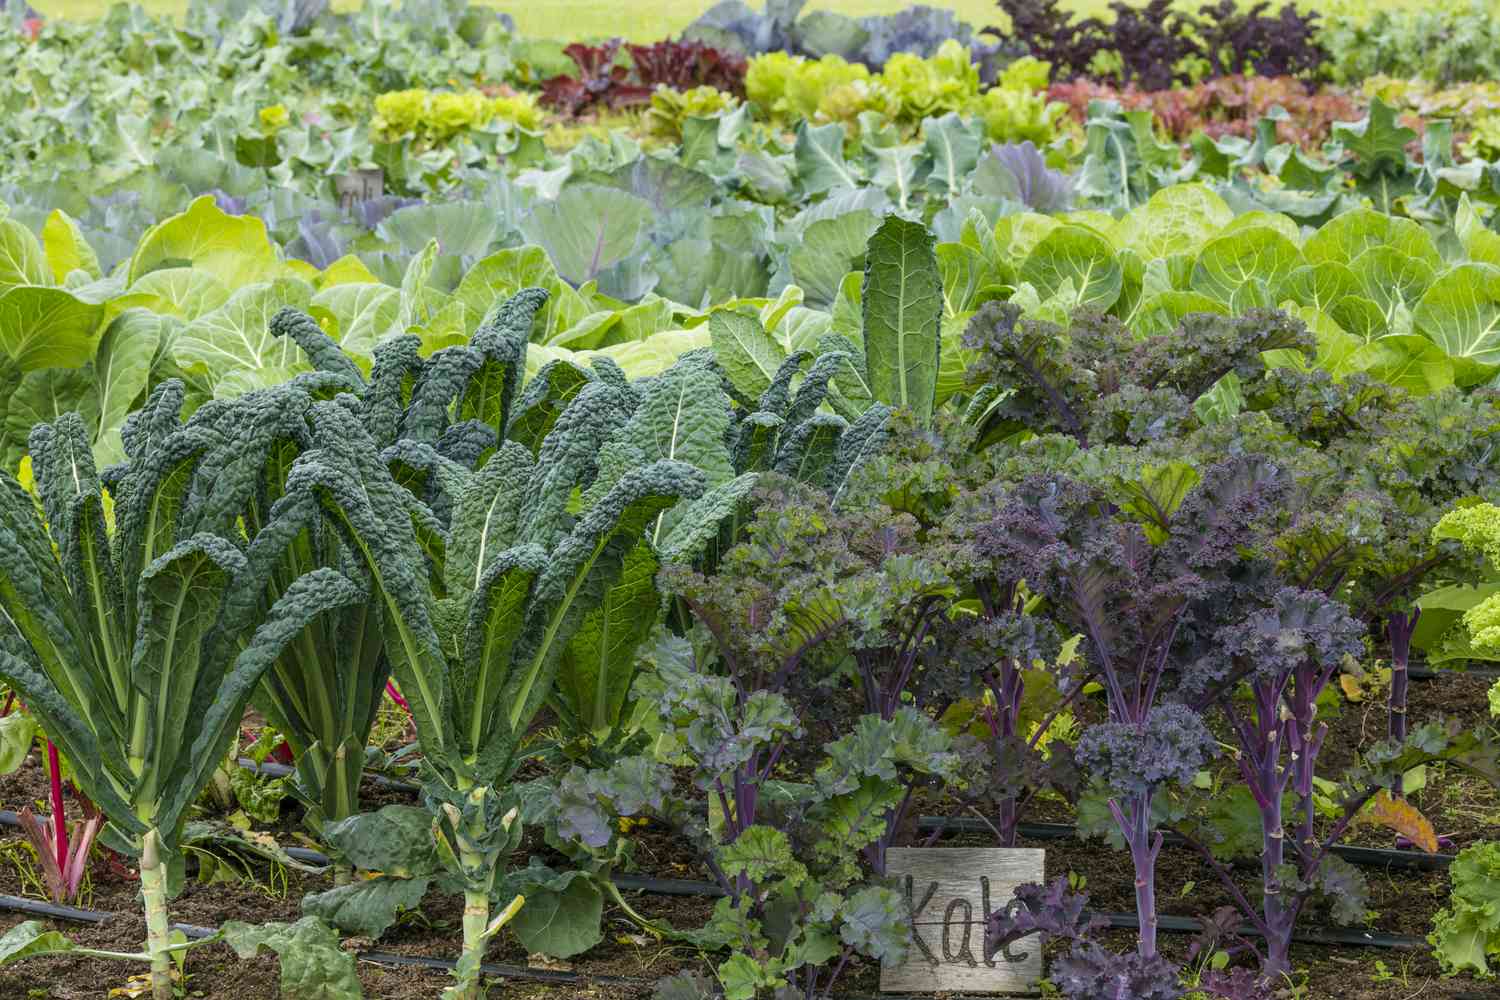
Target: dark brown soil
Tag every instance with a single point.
(1403, 902)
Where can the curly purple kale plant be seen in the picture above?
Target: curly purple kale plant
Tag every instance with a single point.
(1140, 601)
(1287, 652)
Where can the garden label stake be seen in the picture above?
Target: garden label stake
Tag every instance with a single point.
(950, 893)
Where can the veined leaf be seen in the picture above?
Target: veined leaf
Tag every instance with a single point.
(232, 248)
(48, 328)
(599, 663)
(748, 355)
(903, 308)
(1078, 258)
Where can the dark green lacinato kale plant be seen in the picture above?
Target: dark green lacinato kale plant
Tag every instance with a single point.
(138, 641)
(486, 530)
(324, 690)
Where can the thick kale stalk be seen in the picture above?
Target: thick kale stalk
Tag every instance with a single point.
(138, 644)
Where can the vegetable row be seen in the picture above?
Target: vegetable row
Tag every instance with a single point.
(771, 595)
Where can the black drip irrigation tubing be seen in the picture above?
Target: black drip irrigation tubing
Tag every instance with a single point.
(1430, 674)
(1364, 857)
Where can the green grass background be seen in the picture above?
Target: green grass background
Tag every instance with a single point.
(649, 20)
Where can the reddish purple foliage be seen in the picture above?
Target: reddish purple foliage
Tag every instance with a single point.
(604, 80)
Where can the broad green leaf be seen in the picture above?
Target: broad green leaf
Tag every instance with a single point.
(1257, 219)
(903, 308)
(43, 396)
(462, 228)
(895, 170)
(179, 291)
(1391, 279)
(506, 272)
(357, 316)
(1016, 235)
(314, 966)
(967, 278)
(1072, 254)
(66, 249)
(589, 229)
(236, 337)
(830, 249)
(820, 159)
(1161, 313)
(1260, 256)
(1482, 244)
(1460, 312)
(232, 248)
(954, 150)
(31, 939)
(16, 733)
(1336, 346)
(347, 270)
(368, 907)
(1408, 361)
(1320, 285)
(1344, 237)
(47, 328)
(655, 354)
(954, 359)
(748, 355)
(22, 261)
(1176, 220)
(1155, 497)
(395, 840)
(1378, 139)
(123, 364)
(561, 922)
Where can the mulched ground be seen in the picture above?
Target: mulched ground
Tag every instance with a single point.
(1404, 903)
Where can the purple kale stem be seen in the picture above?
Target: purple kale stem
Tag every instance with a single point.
(1400, 629)
(1135, 823)
(1279, 913)
(1306, 742)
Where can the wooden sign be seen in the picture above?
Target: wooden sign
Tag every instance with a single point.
(949, 893)
(360, 185)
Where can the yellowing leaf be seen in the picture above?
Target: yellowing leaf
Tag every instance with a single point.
(1402, 817)
(1351, 687)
